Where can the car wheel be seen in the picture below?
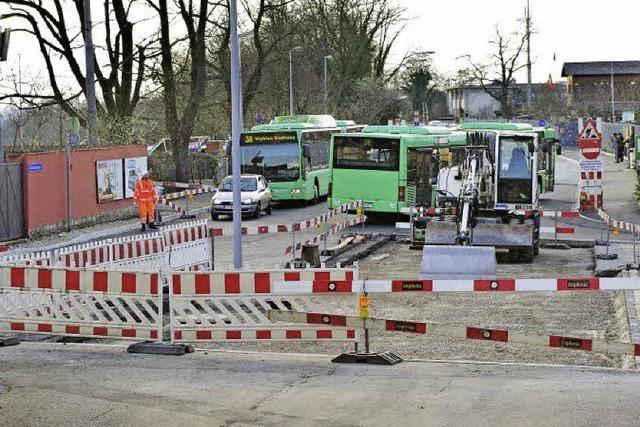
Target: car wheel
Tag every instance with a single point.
(214, 216)
(258, 211)
(269, 209)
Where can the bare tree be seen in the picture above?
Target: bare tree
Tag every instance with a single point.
(58, 27)
(179, 124)
(496, 76)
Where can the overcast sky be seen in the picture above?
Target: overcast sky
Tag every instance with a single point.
(576, 30)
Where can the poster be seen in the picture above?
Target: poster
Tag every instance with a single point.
(109, 180)
(133, 169)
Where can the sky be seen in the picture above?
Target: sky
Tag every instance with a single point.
(575, 30)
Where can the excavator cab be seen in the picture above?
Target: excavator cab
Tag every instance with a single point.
(516, 166)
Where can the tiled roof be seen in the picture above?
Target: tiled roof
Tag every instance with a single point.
(600, 68)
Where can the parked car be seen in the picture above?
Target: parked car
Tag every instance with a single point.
(255, 195)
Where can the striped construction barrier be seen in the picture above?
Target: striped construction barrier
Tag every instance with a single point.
(298, 226)
(622, 225)
(478, 285)
(452, 331)
(80, 303)
(330, 232)
(44, 258)
(558, 230)
(232, 306)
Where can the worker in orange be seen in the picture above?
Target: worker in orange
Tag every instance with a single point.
(146, 198)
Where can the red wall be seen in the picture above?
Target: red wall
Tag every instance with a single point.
(45, 192)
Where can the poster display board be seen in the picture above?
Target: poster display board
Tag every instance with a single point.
(133, 168)
(109, 180)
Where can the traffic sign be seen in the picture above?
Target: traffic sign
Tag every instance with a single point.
(589, 132)
(542, 123)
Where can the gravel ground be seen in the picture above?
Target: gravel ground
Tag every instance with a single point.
(585, 314)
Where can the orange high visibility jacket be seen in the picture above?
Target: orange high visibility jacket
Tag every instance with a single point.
(145, 192)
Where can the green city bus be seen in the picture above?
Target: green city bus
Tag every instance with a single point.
(389, 168)
(292, 153)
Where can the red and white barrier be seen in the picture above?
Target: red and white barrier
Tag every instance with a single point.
(497, 285)
(558, 230)
(622, 225)
(452, 331)
(80, 303)
(298, 226)
(43, 258)
(560, 214)
(231, 306)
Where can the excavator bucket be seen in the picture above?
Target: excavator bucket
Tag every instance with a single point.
(458, 262)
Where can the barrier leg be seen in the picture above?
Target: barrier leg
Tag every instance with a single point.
(385, 358)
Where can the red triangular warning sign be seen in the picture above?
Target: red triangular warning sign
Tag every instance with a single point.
(589, 131)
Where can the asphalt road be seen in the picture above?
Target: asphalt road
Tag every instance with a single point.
(51, 384)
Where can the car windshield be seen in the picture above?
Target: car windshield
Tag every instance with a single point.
(246, 184)
(276, 162)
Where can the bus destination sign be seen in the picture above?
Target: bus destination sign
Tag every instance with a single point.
(268, 138)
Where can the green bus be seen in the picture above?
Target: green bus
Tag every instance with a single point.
(292, 153)
(390, 168)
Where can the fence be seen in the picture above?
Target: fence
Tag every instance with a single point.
(85, 303)
(233, 306)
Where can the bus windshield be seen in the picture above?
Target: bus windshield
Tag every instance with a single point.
(366, 153)
(276, 162)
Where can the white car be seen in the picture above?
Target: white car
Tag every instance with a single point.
(255, 195)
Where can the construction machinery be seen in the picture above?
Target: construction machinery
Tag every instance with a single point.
(489, 201)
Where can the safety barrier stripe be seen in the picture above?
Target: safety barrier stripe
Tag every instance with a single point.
(78, 329)
(189, 192)
(330, 232)
(421, 211)
(264, 334)
(250, 282)
(36, 278)
(452, 331)
(623, 225)
(478, 285)
(559, 230)
(560, 214)
(185, 232)
(44, 258)
(298, 226)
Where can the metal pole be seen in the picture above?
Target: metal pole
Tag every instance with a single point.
(529, 93)
(326, 95)
(290, 83)
(1, 139)
(92, 111)
(293, 240)
(213, 249)
(555, 228)
(69, 183)
(235, 135)
(613, 102)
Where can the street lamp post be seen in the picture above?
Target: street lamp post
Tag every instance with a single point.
(613, 99)
(92, 111)
(291, 109)
(326, 84)
(236, 97)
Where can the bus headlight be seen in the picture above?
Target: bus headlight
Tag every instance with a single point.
(296, 191)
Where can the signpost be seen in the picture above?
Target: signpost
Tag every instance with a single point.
(591, 166)
(74, 139)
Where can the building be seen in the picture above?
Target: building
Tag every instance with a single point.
(473, 102)
(589, 87)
